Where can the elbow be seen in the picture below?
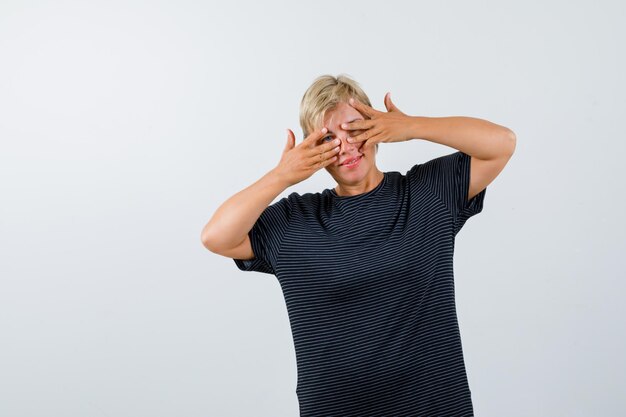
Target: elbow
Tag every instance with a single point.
(207, 240)
(511, 140)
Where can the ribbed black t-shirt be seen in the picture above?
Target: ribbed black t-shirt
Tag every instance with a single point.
(369, 288)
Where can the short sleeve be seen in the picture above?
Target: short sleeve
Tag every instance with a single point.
(448, 177)
(266, 236)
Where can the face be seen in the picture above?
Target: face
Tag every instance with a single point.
(342, 172)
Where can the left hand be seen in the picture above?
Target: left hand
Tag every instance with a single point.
(378, 126)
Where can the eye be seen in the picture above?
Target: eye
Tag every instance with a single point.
(327, 139)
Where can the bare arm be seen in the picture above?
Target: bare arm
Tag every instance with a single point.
(489, 145)
(229, 226)
(227, 231)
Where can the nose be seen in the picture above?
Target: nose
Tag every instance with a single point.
(346, 146)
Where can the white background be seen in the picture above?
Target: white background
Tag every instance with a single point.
(124, 125)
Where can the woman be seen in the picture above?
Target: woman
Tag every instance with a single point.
(366, 268)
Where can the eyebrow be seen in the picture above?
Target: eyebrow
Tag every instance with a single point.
(349, 121)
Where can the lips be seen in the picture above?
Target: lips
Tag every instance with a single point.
(351, 159)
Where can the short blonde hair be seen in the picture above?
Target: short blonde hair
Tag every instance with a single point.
(323, 95)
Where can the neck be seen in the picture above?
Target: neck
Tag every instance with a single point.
(367, 184)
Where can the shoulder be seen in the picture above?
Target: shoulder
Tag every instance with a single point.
(307, 199)
(444, 164)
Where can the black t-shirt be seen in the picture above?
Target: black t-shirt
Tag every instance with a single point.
(369, 287)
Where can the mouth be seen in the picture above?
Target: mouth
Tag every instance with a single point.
(352, 162)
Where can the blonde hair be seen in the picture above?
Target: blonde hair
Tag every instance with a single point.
(323, 95)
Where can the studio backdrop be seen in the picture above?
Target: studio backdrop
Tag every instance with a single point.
(125, 125)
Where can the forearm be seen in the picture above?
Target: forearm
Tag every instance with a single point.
(232, 221)
(476, 137)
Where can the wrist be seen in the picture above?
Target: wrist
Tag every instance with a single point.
(417, 127)
(276, 177)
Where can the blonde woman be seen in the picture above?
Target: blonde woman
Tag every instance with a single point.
(366, 268)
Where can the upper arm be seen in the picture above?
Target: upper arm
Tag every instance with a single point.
(242, 251)
(483, 172)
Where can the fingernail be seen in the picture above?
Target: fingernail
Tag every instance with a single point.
(324, 130)
(351, 101)
(344, 125)
(337, 141)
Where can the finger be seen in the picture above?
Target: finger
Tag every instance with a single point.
(364, 109)
(322, 155)
(329, 154)
(312, 139)
(358, 125)
(291, 141)
(389, 104)
(363, 136)
(324, 147)
(328, 159)
(371, 142)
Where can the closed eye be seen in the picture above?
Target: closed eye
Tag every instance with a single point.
(329, 138)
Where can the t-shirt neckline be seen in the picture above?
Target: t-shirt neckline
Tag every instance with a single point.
(374, 190)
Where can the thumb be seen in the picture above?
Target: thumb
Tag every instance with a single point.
(291, 141)
(388, 104)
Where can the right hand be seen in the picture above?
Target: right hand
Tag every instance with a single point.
(298, 163)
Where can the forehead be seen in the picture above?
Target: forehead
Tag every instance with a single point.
(342, 112)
